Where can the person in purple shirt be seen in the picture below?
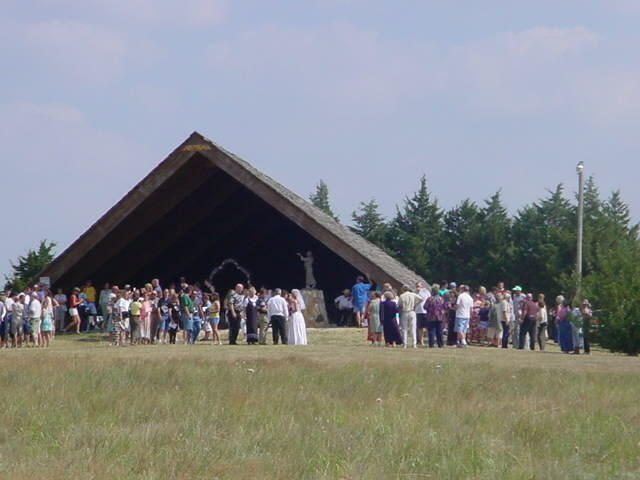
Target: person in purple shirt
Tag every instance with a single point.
(388, 312)
(436, 309)
(359, 298)
(528, 321)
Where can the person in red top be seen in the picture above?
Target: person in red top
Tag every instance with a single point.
(74, 301)
(529, 317)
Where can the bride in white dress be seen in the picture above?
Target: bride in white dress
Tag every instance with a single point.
(297, 330)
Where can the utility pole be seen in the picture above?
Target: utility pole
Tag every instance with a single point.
(580, 171)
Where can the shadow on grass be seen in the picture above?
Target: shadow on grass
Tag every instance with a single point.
(92, 339)
(85, 337)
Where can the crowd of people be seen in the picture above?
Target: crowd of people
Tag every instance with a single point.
(450, 315)
(453, 315)
(152, 314)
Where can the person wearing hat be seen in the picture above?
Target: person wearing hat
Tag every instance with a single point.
(344, 307)
(517, 299)
(74, 302)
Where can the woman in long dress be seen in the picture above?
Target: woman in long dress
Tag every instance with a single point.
(375, 327)
(251, 313)
(388, 313)
(297, 331)
(48, 307)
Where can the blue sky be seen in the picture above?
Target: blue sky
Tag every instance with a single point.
(365, 94)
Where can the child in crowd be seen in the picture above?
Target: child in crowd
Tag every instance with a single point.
(483, 321)
(173, 331)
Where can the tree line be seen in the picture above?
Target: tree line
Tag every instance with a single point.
(481, 244)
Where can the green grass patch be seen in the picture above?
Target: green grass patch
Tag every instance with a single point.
(334, 409)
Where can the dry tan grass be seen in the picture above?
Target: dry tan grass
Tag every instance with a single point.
(334, 409)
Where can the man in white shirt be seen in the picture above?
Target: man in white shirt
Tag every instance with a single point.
(278, 312)
(8, 303)
(27, 295)
(464, 304)
(3, 315)
(407, 303)
(345, 308)
(35, 319)
(421, 313)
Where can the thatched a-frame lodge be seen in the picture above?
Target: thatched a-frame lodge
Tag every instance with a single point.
(202, 205)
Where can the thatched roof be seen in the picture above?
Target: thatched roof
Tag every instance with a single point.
(361, 254)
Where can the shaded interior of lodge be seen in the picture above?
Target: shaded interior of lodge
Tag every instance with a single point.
(202, 205)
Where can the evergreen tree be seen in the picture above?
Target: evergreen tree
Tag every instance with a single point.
(27, 268)
(618, 216)
(415, 234)
(607, 225)
(462, 230)
(613, 281)
(320, 198)
(544, 243)
(369, 223)
(495, 245)
(594, 224)
(614, 290)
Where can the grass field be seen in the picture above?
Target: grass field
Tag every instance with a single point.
(334, 409)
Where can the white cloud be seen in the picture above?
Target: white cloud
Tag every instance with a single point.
(539, 70)
(177, 13)
(626, 6)
(198, 12)
(57, 159)
(529, 71)
(548, 70)
(84, 51)
(610, 94)
(56, 135)
(340, 63)
(547, 44)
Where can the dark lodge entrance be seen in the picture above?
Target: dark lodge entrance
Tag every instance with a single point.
(201, 206)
